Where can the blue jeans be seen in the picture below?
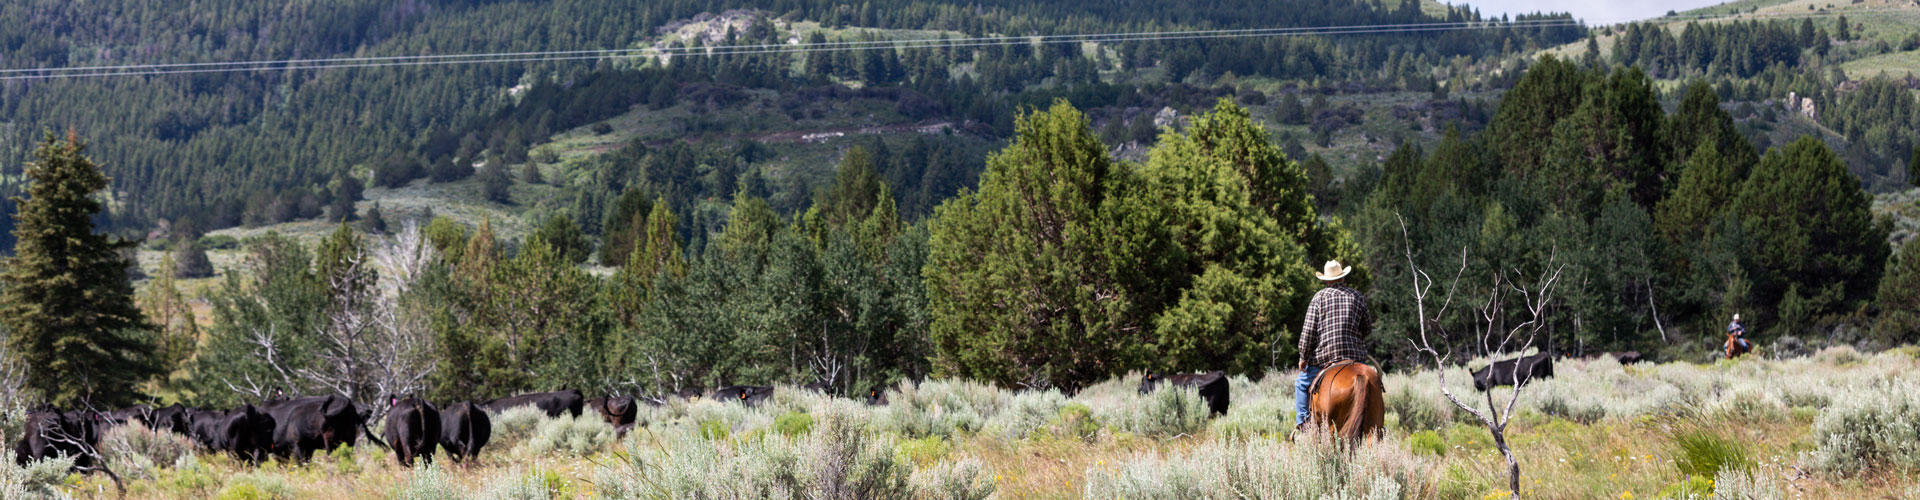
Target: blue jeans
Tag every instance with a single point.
(1300, 387)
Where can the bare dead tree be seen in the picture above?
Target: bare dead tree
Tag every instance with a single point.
(1493, 329)
(371, 342)
(56, 434)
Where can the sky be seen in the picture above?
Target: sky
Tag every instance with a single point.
(1594, 12)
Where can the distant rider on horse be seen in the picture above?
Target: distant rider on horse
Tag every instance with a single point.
(1738, 332)
(1336, 329)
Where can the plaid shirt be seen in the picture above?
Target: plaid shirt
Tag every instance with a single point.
(1338, 323)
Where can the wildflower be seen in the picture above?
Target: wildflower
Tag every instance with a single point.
(1626, 495)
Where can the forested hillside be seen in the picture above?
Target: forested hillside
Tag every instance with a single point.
(220, 149)
(851, 216)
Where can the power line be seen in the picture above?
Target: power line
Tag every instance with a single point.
(799, 48)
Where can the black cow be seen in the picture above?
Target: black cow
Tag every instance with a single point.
(246, 433)
(52, 433)
(464, 429)
(820, 387)
(1212, 386)
(554, 403)
(617, 411)
(877, 396)
(315, 423)
(751, 395)
(136, 413)
(172, 418)
(1504, 373)
(413, 429)
(1627, 358)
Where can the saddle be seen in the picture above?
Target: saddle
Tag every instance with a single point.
(1314, 388)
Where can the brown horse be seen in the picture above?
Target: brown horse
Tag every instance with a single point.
(1734, 349)
(1349, 399)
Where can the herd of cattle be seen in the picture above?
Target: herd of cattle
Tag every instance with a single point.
(295, 428)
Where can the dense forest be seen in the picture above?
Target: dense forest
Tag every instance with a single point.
(1059, 230)
(230, 148)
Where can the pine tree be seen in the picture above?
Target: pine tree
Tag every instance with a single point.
(1913, 168)
(1017, 273)
(530, 174)
(659, 252)
(346, 190)
(495, 185)
(67, 303)
(561, 235)
(190, 260)
(375, 222)
(1816, 249)
(169, 310)
(1899, 298)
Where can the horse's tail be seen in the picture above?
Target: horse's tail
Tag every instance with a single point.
(1364, 380)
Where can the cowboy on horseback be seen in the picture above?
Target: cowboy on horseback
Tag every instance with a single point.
(1739, 332)
(1336, 329)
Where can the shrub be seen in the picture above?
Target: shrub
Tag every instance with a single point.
(187, 478)
(1690, 488)
(137, 451)
(1748, 485)
(965, 479)
(256, 486)
(1427, 443)
(845, 463)
(1416, 411)
(1075, 421)
(714, 429)
(1025, 413)
(924, 450)
(514, 426)
(427, 482)
(1259, 417)
(534, 484)
(793, 424)
(1310, 469)
(1169, 411)
(836, 460)
(571, 436)
(39, 480)
(939, 408)
(1870, 426)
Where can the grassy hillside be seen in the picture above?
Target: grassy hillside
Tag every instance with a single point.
(1768, 428)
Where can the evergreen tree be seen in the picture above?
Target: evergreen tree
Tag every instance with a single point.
(65, 299)
(172, 314)
(1017, 275)
(561, 235)
(1913, 168)
(190, 260)
(375, 222)
(1899, 298)
(530, 174)
(346, 190)
(659, 253)
(1816, 250)
(1843, 30)
(1238, 217)
(495, 185)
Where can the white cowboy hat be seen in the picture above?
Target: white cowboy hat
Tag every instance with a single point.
(1736, 316)
(1333, 271)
